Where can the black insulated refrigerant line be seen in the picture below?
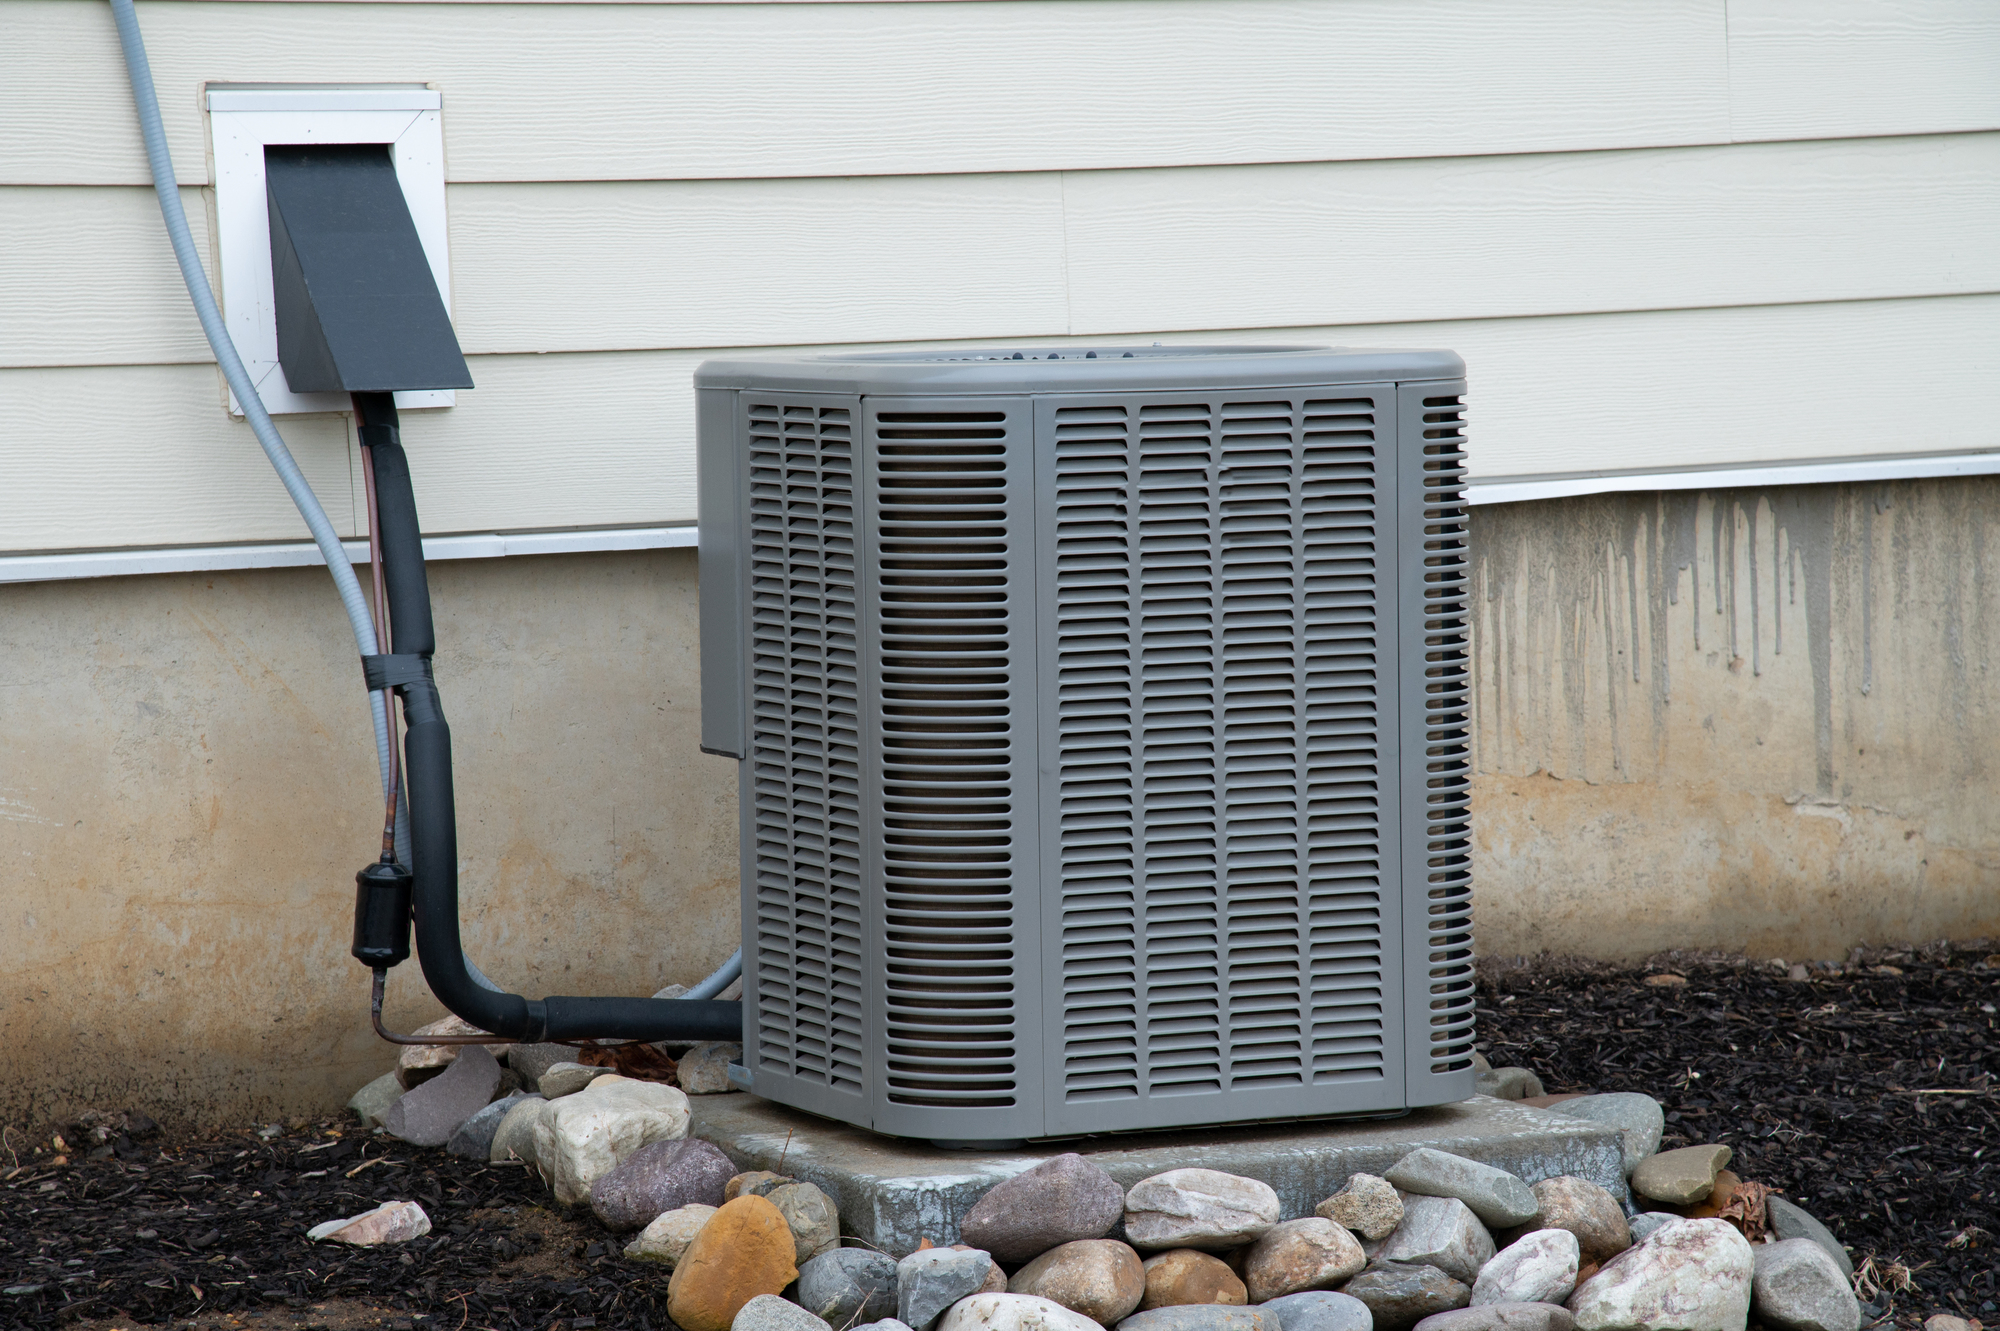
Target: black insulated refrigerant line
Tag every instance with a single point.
(433, 814)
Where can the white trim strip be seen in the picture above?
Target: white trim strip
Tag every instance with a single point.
(305, 97)
(294, 554)
(1513, 490)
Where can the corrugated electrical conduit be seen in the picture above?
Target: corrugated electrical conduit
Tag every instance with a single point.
(419, 832)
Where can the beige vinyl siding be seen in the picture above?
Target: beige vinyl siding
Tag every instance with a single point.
(607, 438)
(1649, 253)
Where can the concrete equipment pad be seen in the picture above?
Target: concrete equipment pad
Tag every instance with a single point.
(894, 1192)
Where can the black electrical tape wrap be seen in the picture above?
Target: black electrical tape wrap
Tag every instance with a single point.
(394, 671)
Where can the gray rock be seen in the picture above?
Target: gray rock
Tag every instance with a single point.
(1320, 1310)
(848, 1285)
(660, 1178)
(812, 1216)
(1502, 1317)
(1681, 1177)
(1507, 1083)
(372, 1101)
(886, 1324)
(930, 1281)
(1498, 1198)
(428, 1115)
(1202, 1317)
(1540, 1268)
(704, 1069)
(1441, 1232)
(1198, 1208)
(1399, 1295)
(1062, 1200)
(474, 1138)
(1789, 1222)
(562, 1079)
(530, 1061)
(1638, 1118)
(1646, 1222)
(665, 1240)
(514, 1139)
(1797, 1287)
(768, 1312)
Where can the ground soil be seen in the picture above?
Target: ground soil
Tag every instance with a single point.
(1867, 1097)
(1870, 1097)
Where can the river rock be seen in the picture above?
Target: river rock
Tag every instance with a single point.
(931, 1280)
(1684, 1177)
(1797, 1287)
(1298, 1255)
(428, 1115)
(769, 1312)
(667, 1238)
(1400, 1295)
(1501, 1317)
(1585, 1210)
(814, 1220)
(886, 1324)
(1369, 1206)
(474, 1138)
(755, 1183)
(1064, 1199)
(1692, 1275)
(1647, 1221)
(848, 1285)
(372, 1101)
(582, 1137)
(999, 1311)
(1201, 1317)
(659, 1178)
(1537, 1268)
(1198, 1208)
(1441, 1232)
(744, 1250)
(1320, 1310)
(1495, 1196)
(704, 1069)
(1507, 1083)
(391, 1222)
(1184, 1276)
(567, 1079)
(1101, 1278)
(514, 1138)
(530, 1061)
(1789, 1222)
(1638, 1118)
(418, 1063)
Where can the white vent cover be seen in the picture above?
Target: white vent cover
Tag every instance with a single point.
(1102, 719)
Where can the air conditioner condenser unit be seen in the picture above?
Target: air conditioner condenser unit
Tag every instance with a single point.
(1102, 717)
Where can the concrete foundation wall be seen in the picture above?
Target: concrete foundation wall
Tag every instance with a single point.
(1759, 719)
(187, 785)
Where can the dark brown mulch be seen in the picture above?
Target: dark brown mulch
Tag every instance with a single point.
(211, 1234)
(1871, 1099)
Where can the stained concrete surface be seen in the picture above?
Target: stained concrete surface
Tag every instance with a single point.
(188, 784)
(1755, 719)
(1761, 719)
(894, 1193)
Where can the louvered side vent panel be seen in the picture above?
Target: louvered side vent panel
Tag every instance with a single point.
(804, 776)
(1447, 745)
(946, 561)
(1220, 795)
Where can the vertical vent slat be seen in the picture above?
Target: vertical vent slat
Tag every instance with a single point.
(943, 574)
(1218, 715)
(1447, 753)
(805, 742)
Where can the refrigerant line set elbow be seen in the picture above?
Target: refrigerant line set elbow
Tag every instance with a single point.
(417, 874)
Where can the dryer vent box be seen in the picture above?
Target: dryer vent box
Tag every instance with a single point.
(1102, 724)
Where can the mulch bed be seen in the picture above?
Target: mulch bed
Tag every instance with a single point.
(1867, 1097)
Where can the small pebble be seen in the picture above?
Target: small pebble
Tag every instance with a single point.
(1367, 1205)
(391, 1222)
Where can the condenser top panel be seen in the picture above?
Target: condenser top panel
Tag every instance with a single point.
(1076, 369)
